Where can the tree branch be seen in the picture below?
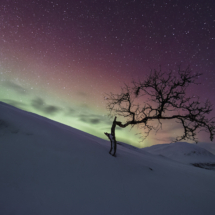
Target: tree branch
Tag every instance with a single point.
(164, 97)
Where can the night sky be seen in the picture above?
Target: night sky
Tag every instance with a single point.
(59, 58)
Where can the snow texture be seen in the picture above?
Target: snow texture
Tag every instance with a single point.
(50, 168)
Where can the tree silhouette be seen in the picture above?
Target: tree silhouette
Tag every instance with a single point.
(162, 96)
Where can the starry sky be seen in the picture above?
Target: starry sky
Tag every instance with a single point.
(58, 58)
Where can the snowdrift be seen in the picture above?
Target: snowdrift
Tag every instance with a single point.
(50, 168)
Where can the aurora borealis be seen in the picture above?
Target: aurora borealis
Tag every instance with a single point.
(59, 57)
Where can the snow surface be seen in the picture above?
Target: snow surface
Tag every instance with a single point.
(50, 168)
(183, 152)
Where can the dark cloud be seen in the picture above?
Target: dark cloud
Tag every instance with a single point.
(51, 109)
(15, 87)
(40, 105)
(87, 119)
(94, 119)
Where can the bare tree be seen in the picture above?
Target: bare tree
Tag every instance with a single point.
(162, 96)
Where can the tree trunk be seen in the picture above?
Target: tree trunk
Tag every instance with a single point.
(112, 138)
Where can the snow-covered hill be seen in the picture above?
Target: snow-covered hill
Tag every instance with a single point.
(184, 152)
(50, 168)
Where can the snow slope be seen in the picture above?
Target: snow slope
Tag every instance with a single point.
(183, 152)
(49, 168)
